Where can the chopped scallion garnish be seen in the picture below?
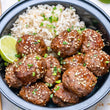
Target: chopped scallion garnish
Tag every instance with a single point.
(107, 62)
(20, 39)
(69, 30)
(59, 81)
(20, 63)
(34, 33)
(45, 56)
(59, 53)
(54, 8)
(65, 43)
(51, 96)
(57, 88)
(61, 10)
(6, 63)
(17, 55)
(95, 55)
(38, 58)
(59, 70)
(41, 24)
(84, 64)
(79, 53)
(29, 65)
(33, 74)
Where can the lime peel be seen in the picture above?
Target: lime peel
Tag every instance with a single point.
(8, 48)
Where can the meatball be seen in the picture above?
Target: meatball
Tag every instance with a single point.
(28, 44)
(30, 68)
(11, 78)
(98, 62)
(60, 103)
(63, 97)
(38, 94)
(72, 61)
(91, 41)
(53, 70)
(79, 80)
(67, 43)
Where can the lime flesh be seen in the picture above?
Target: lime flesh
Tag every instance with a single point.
(8, 48)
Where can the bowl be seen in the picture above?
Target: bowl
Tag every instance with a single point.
(94, 18)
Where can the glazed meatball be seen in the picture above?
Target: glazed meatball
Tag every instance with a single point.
(59, 102)
(63, 97)
(91, 41)
(28, 44)
(98, 62)
(11, 78)
(38, 94)
(30, 68)
(67, 43)
(53, 70)
(72, 61)
(79, 80)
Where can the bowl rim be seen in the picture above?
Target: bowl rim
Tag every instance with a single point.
(105, 90)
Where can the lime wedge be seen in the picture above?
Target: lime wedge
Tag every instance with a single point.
(8, 48)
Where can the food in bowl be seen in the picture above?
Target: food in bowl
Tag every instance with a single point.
(40, 61)
(46, 21)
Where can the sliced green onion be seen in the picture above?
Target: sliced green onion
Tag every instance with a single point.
(95, 55)
(84, 64)
(17, 55)
(41, 24)
(35, 42)
(72, 27)
(65, 43)
(27, 26)
(38, 41)
(23, 55)
(69, 30)
(38, 58)
(79, 31)
(48, 48)
(82, 29)
(88, 45)
(61, 10)
(6, 63)
(51, 96)
(54, 74)
(54, 8)
(53, 12)
(79, 53)
(57, 88)
(49, 85)
(33, 74)
(20, 63)
(78, 39)
(59, 70)
(34, 91)
(45, 56)
(107, 62)
(55, 70)
(34, 33)
(20, 39)
(29, 65)
(71, 7)
(74, 60)
(59, 53)
(59, 81)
